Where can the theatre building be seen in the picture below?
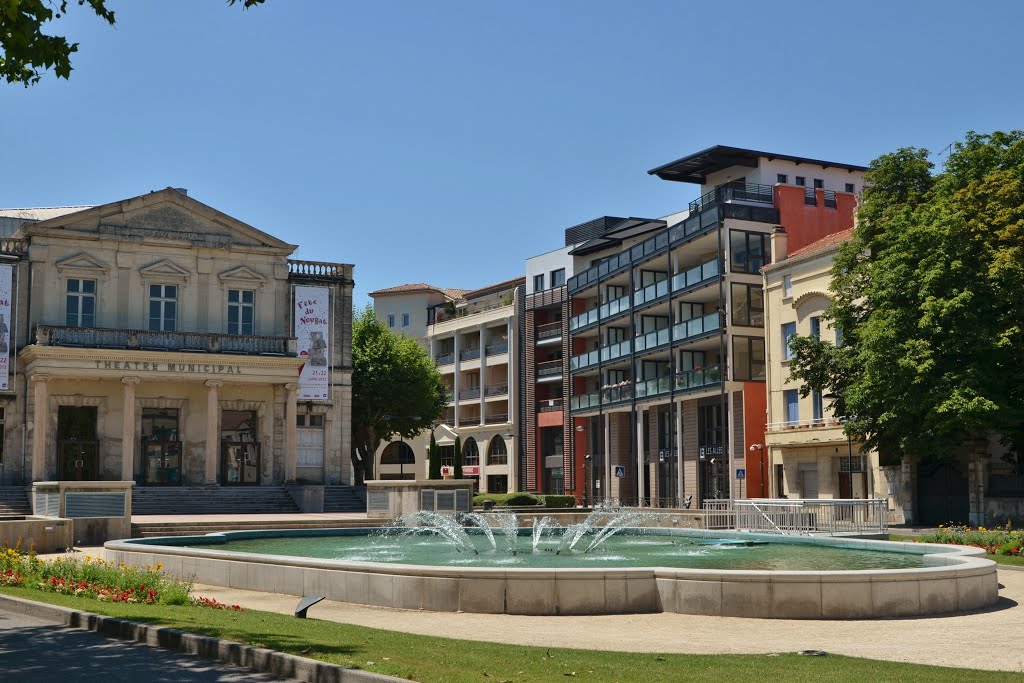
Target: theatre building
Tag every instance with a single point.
(160, 341)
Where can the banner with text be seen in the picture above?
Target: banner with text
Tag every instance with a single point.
(5, 325)
(312, 332)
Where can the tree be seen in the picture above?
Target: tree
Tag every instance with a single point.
(929, 295)
(435, 458)
(396, 389)
(457, 470)
(25, 51)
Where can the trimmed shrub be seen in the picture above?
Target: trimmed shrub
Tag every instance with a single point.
(506, 499)
(559, 501)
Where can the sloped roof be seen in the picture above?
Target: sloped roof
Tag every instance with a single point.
(496, 287)
(42, 213)
(696, 167)
(448, 292)
(813, 249)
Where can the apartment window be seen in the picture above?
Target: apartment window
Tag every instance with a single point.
(80, 304)
(782, 178)
(850, 188)
(241, 311)
(819, 184)
(800, 180)
(816, 327)
(163, 307)
(538, 282)
(309, 420)
(749, 251)
(391, 320)
(839, 337)
(788, 332)
(787, 286)
(817, 406)
(748, 359)
(747, 305)
(405, 320)
(558, 277)
(792, 405)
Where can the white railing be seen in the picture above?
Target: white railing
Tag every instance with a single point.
(816, 423)
(803, 516)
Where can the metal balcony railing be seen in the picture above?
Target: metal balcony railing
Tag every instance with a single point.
(697, 326)
(651, 292)
(583, 319)
(549, 330)
(155, 340)
(651, 339)
(548, 405)
(496, 390)
(495, 348)
(584, 401)
(743, 192)
(691, 277)
(467, 394)
(698, 377)
(446, 358)
(815, 423)
(549, 368)
(469, 421)
(469, 354)
(497, 418)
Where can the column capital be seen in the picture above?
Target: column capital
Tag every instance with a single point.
(130, 380)
(214, 383)
(291, 386)
(39, 378)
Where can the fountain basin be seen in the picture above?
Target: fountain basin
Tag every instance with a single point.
(951, 579)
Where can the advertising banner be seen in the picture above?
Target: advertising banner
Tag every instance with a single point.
(312, 331)
(5, 325)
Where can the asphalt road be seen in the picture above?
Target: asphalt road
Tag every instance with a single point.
(35, 650)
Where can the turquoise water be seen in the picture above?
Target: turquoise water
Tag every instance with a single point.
(632, 548)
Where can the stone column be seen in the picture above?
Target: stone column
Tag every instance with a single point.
(40, 419)
(212, 430)
(128, 429)
(291, 442)
(678, 445)
(640, 465)
(481, 333)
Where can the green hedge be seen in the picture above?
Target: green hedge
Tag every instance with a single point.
(525, 499)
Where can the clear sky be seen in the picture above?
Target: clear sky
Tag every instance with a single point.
(446, 142)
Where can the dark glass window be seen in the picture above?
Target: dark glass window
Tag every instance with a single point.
(538, 282)
(80, 303)
(782, 178)
(747, 305)
(241, 311)
(819, 184)
(850, 188)
(800, 180)
(163, 307)
(749, 251)
(788, 331)
(748, 359)
(558, 277)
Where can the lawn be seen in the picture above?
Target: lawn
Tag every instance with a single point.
(442, 660)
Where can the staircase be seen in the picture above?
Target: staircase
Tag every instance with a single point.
(14, 501)
(201, 528)
(344, 498)
(197, 500)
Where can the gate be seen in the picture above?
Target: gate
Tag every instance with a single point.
(942, 494)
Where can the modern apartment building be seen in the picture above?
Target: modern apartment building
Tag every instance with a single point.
(160, 341)
(472, 335)
(667, 357)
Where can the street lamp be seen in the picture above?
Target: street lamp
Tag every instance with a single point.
(759, 448)
(586, 470)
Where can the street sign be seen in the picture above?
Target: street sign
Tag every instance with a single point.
(620, 471)
(741, 473)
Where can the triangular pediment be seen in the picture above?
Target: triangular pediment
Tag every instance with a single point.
(242, 276)
(82, 263)
(165, 215)
(164, 269)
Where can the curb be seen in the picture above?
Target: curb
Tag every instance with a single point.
(227, 651)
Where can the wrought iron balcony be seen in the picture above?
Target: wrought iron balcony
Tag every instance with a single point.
(743, 192)
(154, 340)
(496, 390)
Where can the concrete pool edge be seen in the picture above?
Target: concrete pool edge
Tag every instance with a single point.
(955, 579)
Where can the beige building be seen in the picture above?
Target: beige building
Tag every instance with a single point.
(155, 342)
(472, 337)
(806, 454)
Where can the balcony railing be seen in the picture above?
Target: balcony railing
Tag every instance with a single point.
(585, 401)
(697, 326)
(815, 423)
(605, 354)
(583, 319)
(651, 339)
(496, 390)
(584, 360)
(619, 392)
(13, 246)
(469, 354)
(446, 358)
(743, 192)
(495, 348)
(317, 269)
(151, 340)
(549, 368)
(691, 277)
(830, 199)
(549, 330)
(466, 394)
(698, 377)
(650, 292)
(550, 405)
(499, 418)
(469, 421)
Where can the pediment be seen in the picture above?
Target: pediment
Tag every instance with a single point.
(242, 276)
(82, 263)
(164, 269)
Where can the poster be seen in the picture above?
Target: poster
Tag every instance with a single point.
(5, 325)
(312, 331)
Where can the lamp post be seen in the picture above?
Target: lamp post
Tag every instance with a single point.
(759, 447)
(586, 466)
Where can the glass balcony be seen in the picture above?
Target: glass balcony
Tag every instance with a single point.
(697, 326)
(698, 377)
(469, 354)
(651, 292)
(613, 308)
(583, 319)
(651, 339)
(692, 277)
(584, 401)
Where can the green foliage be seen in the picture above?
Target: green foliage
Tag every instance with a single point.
(998, 541)
(929, 295)
(396, 389)
(26, 52)
(458, 459)
(552, 501)
(509, 499)
(434, 454)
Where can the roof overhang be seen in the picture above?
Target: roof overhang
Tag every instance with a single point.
(614, 236)
(696, 167)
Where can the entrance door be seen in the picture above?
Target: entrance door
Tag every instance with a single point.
(240, 451)
(942, 494)
(161, 448)
(309, 448)
(77, 445)
(808, 481)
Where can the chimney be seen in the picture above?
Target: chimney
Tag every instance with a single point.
(182, 190)
(779, 243)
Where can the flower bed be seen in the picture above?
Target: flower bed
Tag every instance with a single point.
(997, 541)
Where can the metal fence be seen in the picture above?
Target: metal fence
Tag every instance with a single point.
(786, 516)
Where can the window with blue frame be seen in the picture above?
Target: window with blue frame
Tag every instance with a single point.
(816, 327)
(792, 400)
(788, 332)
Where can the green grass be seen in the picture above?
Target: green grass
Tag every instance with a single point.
(441, 660)
(998, 559)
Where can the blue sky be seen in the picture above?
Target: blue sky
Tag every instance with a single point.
(446, 141)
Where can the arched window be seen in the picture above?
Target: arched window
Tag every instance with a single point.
(398, 453)
(470, 452)
(497, 452)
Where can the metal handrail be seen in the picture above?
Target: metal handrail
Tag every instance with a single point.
(744, 192)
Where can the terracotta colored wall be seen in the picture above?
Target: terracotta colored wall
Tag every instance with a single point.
(755, 403)
(805, 224)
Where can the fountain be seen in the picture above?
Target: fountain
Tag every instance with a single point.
(611, 562)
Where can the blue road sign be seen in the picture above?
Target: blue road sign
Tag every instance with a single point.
(741, 473)
(620, 471)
